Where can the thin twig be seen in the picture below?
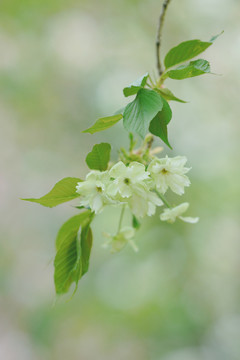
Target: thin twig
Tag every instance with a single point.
(159, 35)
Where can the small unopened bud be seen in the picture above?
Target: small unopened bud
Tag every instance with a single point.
(156, 150)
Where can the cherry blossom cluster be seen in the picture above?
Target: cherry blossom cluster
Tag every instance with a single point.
(139, 187)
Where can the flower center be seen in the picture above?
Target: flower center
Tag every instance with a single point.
(126, 181)
(164, 171)
(99, 189)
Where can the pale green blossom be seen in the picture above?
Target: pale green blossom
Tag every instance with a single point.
(125, 179)
(93, 191)
(121, 239)
(169, 173)
(144, 202)
(131, 184)
(170, 215)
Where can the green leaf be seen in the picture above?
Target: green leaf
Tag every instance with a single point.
(185, 51)
(194, 68)
(158, 125)
(104, 123)
(168, 95)
(133, 88)
(135, 223)
(64, 190)
(138, 114)
(86, 246)
(159, 128)
(119, 111)
(213, 38)
(166, 112)
(99, 157)
(73, 252)
(70, 227)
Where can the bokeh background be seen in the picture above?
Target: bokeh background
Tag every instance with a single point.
(63, 64)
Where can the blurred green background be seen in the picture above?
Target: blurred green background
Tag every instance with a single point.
(63, 64)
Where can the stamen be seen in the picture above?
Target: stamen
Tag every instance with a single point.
(126, 181)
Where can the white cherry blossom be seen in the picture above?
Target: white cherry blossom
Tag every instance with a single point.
(93, 191)
(131, 184)
(172, 214)
(126, 179)
(144, 202)
(169, 173)
(121, 239)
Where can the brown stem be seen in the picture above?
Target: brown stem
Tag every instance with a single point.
(159, 35)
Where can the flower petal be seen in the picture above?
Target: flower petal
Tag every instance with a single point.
(118, 170)
(137, 172)
(97, 204)
(191, 220)
(170, 215)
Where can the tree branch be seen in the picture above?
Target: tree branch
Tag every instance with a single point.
(159, 35)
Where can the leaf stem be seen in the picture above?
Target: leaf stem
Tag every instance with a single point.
(132, 142)
(151, 81)
(159, 35)
(148, 85)
(166, 203)
(121, 219)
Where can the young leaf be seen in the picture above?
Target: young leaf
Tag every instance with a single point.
(185, 51)
(135, 223)
(73, 252)
(71, 227)
(138, 114)
(104, 123)
(168, 95)
(194, 68)
(135, 86)
(99, 157)
(158, 125)
(213, 38)
(66, 265)
(64, 190)
(119, 111)
(159, 128)
(86, 246)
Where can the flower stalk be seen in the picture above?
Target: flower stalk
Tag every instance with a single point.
(121, 218)
(164, 200)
